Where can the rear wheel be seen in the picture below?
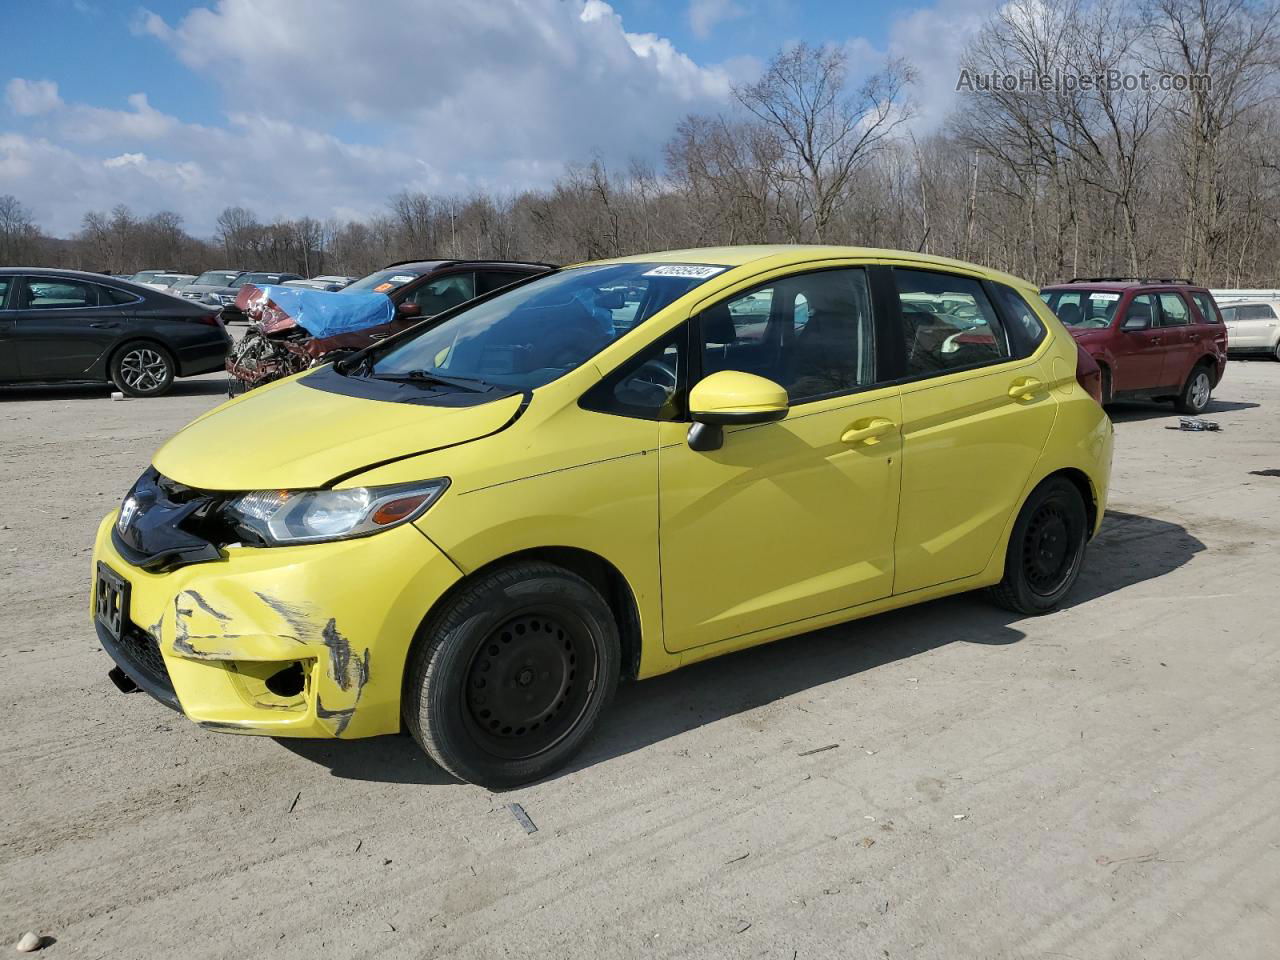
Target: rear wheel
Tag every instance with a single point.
(1045, 550)
(1196, 391)
(505, 683)
(142, 370)
(1276, 352)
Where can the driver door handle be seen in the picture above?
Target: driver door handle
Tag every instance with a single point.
(1025, 388)
(106, 324)
(867, 432)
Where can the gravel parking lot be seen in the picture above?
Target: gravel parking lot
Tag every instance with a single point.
(1101, 782)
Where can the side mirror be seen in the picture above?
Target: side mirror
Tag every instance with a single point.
(731, 397)
(408, 309)
(1135, 323)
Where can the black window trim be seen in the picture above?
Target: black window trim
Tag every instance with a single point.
(898, 337)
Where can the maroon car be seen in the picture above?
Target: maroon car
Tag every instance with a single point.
(277, 345)
(1158, 339)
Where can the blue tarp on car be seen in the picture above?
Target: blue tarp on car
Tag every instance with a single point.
(325, 314)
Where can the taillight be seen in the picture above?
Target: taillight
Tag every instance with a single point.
(209, 319)
(1088, 373)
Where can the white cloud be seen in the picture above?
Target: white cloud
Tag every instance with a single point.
(29, 98)
(934, 39)
(706, 15)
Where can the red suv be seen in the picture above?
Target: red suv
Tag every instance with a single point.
(1153, 339)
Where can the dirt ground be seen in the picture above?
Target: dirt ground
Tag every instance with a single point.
(1101, 782)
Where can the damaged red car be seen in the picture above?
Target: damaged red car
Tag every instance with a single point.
(294, 328)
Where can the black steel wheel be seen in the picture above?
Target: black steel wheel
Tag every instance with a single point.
(1046, 549)
(507, 679)
(142, 370)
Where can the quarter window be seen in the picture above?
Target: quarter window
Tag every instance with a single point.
(948, 323)
(1173, 310)
(117, 296)
(649, 386)
(810, 333)
(1026, 326)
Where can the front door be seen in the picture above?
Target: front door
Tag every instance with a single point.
(975, 418)
(60, 328)
(793, 519)
(1139, 353)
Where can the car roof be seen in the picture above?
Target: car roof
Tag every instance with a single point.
(1121, 285)
(788, 253)
(428, 266)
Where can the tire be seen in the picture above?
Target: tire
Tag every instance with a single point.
(1276, 352)
(1107, 397)
(1045, 550)
(142, 370)
(1196, 391)
(505, 683)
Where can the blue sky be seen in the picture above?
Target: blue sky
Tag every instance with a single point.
(328, 107)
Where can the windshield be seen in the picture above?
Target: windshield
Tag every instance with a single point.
(543, 329)
(1082, 309)
(384, 281)
(256, 278)
(217, 278)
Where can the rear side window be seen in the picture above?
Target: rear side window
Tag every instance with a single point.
(58, 294)
(948, 323)
(1025, 327)
(1173, 311)
(1257, 311)
(116, 296)
(1206, 305)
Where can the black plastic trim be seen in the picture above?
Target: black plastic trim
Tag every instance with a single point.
(143, 678)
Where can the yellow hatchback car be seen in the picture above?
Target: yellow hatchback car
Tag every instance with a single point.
(475, 528)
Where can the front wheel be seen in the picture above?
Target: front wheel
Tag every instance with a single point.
(142, 370)
(1195, 392)
(1046, 549)
(506, 682)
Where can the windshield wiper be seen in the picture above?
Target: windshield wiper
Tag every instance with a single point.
(423, 376)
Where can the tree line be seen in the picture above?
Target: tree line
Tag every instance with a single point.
(1042, 178)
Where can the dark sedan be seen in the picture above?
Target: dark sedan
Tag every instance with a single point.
(67, 325)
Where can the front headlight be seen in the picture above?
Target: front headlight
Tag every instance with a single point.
(279, 517)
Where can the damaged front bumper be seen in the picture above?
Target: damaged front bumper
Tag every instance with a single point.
(301, 641)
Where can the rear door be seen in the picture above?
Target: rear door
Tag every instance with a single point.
(976, 413)
(1180, 335)
(62, 327)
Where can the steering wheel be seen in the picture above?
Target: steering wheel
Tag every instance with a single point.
(659, 373)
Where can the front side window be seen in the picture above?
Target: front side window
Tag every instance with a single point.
(1173, 311)
(58, 295)
(539, 331)
(947, 322)
(444, 294)
(810, 333)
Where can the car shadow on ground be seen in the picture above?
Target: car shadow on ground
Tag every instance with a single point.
(196, 387)
(1129, 411)
(1129, 550)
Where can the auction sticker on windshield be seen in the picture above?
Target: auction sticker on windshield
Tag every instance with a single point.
(691, 271)
(1105, 297)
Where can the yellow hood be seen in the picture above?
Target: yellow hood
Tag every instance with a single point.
(292, 436)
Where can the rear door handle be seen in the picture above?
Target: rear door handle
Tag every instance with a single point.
(1025, 388)
(106, 324)
(1157, 340)
(867, 432)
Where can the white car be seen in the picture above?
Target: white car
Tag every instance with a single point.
(166, 281)
(1253, 327)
